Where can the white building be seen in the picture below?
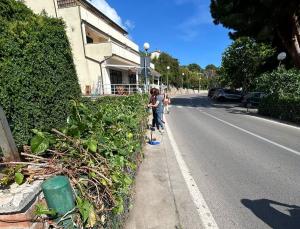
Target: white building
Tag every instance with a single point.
(155, 54)
(106, 60)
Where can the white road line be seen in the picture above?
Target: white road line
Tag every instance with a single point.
(203, 211)
(275, 122)
(253, 134)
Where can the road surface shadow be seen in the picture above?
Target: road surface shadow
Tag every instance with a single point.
(266, 211)
(202, 102)
(229, 106)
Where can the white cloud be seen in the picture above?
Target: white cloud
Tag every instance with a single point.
(201, 16)
(110, 12)
(129, 24)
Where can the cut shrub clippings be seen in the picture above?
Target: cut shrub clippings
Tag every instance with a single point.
(98, 150)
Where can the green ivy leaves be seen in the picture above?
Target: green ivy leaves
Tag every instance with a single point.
(19, 177)
(40, 142)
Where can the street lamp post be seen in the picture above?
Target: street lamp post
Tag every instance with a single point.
(168, 69)
(182, 82)
(199, 81)
(146, 47)
(281, 56)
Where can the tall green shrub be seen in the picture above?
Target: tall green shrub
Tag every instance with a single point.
(37, 73)
(281, 107)
(283, 89)
(280, 82)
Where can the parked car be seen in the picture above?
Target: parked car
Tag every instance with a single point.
(227, 94)
(211, 92)
(252, 99)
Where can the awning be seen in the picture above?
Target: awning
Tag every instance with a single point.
(151, 71)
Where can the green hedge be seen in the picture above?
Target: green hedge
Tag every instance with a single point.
(37, 73)
(280, 82)
(282, 107)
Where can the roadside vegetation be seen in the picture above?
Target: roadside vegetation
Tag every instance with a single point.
(190, 76)
(260, 31)
(97, 144)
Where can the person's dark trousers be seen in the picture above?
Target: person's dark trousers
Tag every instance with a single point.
(155, 122)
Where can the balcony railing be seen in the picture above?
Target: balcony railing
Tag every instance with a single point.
(122, 89)
(66, 3)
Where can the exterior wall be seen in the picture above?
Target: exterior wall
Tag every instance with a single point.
(39, 5)
(103, 26)
(95, 51)
(71, 16)
(95, 76)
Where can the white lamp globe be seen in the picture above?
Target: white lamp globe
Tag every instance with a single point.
(168, 67)
(281, 56)
(146, 46)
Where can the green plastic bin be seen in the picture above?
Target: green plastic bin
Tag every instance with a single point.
(58, 194)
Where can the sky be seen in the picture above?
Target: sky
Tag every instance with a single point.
(182, 28)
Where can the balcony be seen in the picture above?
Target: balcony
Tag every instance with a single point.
(101, 50)
(109, 30)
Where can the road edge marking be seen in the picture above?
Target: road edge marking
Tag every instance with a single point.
(275, 122)
(252, 134)
(204, 213)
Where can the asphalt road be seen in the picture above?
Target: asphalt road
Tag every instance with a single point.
(247, 168)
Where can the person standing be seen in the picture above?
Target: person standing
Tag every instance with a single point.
(158, 109)
(152, 102)
(167, 101)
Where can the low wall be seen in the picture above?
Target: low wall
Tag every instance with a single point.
(181, 91)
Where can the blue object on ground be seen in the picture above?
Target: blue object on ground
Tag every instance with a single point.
(154, 142)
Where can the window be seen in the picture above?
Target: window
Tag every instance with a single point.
(88, 90)
(115, 77)
(132, 78)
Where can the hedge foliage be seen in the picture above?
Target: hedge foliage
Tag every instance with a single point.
(283, 89)
(107, 137)
(37, 73)
(280, 82)
(284, 107)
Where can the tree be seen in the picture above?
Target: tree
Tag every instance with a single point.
(211, 67)
(271, 21)
(171, 75)
(210, 71)
(242, 62)
(194, 68)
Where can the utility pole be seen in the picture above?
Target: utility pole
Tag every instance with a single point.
(199, 81)
(7, 143)
(168, 70)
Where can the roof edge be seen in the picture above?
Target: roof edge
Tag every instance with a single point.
(97, 11)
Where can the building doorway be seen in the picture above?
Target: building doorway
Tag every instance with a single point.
(116, 81)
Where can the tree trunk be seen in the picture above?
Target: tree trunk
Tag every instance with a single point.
(291, 40)
(297, 27)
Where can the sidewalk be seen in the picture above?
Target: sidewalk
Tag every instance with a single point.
(161, 199)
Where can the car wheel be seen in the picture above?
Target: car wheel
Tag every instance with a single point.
(221, 99)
